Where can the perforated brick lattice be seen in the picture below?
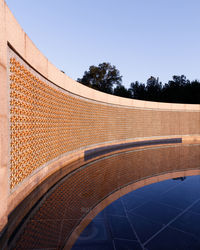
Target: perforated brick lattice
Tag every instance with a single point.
(47, 122)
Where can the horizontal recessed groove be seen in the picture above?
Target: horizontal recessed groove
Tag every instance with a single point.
(92, 153)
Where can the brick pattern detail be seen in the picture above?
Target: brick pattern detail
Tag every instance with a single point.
(47, 122)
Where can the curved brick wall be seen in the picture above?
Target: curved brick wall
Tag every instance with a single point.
(48, 121)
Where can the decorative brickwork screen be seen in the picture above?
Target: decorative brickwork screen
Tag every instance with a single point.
(47, 122)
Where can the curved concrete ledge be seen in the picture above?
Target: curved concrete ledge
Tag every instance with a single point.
(36, 99)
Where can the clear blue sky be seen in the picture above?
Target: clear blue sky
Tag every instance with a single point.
(140, 37)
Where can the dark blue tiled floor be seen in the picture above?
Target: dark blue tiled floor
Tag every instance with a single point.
(126, 245)
(170, 238)
(196, 208)
(188, 222)
(115, 208)
(164, 215)
(144, 227)
(132, 201)
(121, 228)
(156, 212)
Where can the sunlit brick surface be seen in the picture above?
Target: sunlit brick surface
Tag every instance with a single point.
(47, 122)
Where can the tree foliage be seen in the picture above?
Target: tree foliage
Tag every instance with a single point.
(138, 90)
(103, 77)
(120, 90)
(177, 90)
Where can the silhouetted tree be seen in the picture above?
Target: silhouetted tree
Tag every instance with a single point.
(153, 89)
(175, 90)
(120, 90)
(102, 77)
(193, 92)
(138, 90)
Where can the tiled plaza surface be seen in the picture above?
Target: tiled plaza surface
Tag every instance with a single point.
(164, 215)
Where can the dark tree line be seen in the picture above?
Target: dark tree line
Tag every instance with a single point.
(107, 78)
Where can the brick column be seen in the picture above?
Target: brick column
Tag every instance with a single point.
(3, 119)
